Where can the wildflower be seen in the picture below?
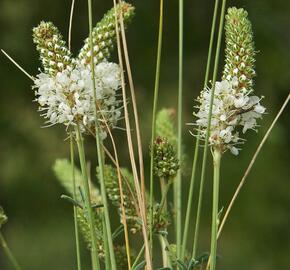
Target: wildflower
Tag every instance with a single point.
(231, 112)
(68, 96)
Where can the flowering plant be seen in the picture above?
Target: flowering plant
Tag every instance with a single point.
(88, 94)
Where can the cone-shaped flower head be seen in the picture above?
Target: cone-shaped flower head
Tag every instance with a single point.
(166, 163)
(104, 34)
(240, 51)
(235, 108)
(54, 54)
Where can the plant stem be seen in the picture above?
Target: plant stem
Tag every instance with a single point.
(205, 151)
(75, 208)
(138, 256)
(106, 247)
(80, 144)
(153, 128)
(190, 196)
(178, 186)
(9, 253)
(98, 145)
(163, 209)
(215, 207)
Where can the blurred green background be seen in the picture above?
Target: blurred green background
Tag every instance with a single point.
(40, 228)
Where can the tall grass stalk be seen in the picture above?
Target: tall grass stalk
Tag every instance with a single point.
(77, 238)
(75, 208)
(201, 185)
(9, 253)
(190, 197)
(250, 166)
(124, 219)
(99, 151)
(177, 183)
(154, 111)
(140, 197)
(134, 105)
(80, 144)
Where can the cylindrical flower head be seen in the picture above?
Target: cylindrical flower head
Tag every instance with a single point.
(240, 52)
(166, 163)
(104, 34)
(54, 54)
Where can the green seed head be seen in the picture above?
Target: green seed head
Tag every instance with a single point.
(240, 52)
(104, 34)
(54, 54)
(165, 162)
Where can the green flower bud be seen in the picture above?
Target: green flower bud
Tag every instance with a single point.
(3, 217)
(54, 54)
(240, 52)
(104, 34)
(165, 125)
(166, 163)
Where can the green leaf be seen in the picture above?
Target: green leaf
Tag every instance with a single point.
(140, 265)
(181, 265)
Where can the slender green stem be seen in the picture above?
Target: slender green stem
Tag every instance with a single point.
(98, 145)
(91, 219)
(75, 208)
(9, 253)
(106, 247)
(205, 151)
(178, 186)
(138, 256)
(215, 207)
(163, 209)
(190, 197)
(153, 128)
(165, 189)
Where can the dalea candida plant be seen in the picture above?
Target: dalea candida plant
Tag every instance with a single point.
(87, 95)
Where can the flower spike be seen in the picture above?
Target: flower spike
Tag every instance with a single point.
(240, 52)
(104, 35)
(54, 54)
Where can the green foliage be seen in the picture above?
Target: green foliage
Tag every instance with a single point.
(165, 161)
(240, 52)
(3, 217)
(104, 34)
(165, 125)
(54, 54)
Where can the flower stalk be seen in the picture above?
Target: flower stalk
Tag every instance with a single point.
(215, 208)
(80, 144)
